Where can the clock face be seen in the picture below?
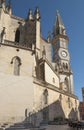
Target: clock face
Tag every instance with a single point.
(64, 54)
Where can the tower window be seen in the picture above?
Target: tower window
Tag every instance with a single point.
(17, 35)
(67, 83)
(66, 66)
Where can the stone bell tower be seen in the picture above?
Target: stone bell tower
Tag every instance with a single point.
(61, 55)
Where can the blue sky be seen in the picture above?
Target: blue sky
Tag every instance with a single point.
(72, 14)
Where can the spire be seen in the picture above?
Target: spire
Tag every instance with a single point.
(30, 15)
(59, 26)
(59, 20)
(49, 37)
(37, 13)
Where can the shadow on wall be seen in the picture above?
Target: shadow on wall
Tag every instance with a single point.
(52, 113)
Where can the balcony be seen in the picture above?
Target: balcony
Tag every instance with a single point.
(16, 45)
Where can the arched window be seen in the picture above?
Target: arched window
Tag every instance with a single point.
(66, 66)
(67, 83)
(2, 35)
(45, 94)
(17, 62)
(69, 102)
(17, 35)
(16, 66)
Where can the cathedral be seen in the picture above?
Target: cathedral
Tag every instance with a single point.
(36, 79)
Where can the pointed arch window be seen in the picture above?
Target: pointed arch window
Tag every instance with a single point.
(69, 102)
(16, 66)
(45, 94)
(67, 83)
(66, 66)
(17, 35)
(17, 62)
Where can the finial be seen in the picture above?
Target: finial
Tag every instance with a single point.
(57, 12)
(9, 7)
(37, 13)
(49, 37)
(43, 52)
(3, 4)
(30, 16)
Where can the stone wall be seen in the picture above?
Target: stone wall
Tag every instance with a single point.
(50, 76)
(11, 23)
(16, 91)
(60, 103)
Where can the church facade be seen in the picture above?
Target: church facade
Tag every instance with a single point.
(35, 73)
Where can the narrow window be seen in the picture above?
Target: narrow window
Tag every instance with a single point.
(69, 102)
(17, 66)
(16, 61)
(67, 84)
(66, 66)
(45, 96)
(41, 72)
(17, 35)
